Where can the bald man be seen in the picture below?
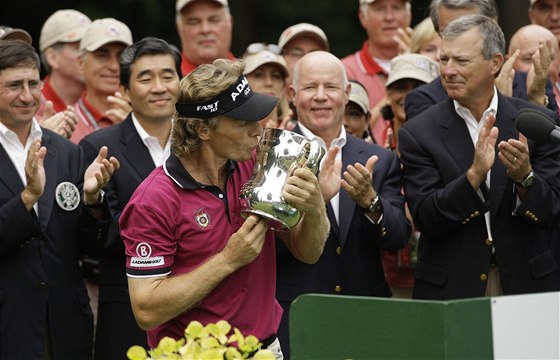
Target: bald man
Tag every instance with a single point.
(528, 40)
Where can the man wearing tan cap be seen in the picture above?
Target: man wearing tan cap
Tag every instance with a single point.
(101, 104)
(205, 29)
(59, 45)
(298, 40)
(546, 13)
(370, 65)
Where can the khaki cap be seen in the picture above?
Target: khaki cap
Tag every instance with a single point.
(303, 29)
(64, 26)
(254, 61)
(8, 33)
(182, 3)
(412, 66)
(105, 31)
(359, 95)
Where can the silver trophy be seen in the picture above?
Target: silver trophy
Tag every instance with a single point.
(279, 153)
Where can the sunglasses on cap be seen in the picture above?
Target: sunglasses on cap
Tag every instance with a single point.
(258, 47)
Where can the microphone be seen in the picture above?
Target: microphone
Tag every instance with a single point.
(536, 125)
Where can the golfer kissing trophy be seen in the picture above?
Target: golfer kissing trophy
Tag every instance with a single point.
(279, 153)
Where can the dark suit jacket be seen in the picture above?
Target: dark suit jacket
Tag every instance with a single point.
(117, 329)
(351, 258)
(427, 95)
(40, 278)
(436, 151)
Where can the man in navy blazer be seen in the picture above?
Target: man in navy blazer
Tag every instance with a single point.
(444, 11)
(150, 77)
(366, 207)
(44, 224)
(482, 195)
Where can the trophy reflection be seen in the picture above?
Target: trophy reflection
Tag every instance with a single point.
(279, 153)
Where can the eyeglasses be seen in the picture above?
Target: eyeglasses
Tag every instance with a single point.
(258, 47)
(17, 87)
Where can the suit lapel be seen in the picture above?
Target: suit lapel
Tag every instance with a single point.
(456, 138)
(46, 202)
(135, 151)
(9, 175)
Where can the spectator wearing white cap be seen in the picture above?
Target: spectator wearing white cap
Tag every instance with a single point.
(101, 104)
(205, 28)
(266, 72)
(300, 39)
(546, 13)
(370, 65)
(59, 45)
(356, 113)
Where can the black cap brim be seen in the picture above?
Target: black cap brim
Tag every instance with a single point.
(256, 108)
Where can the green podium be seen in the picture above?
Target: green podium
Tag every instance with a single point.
(346, 327)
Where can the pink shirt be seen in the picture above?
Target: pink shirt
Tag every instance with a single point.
(89, 120)
(172, 224)
(361, 67)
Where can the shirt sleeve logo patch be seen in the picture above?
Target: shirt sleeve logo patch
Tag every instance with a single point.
(202, 219)
(144, 259)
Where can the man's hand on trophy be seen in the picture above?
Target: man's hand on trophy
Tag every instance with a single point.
(303, 192)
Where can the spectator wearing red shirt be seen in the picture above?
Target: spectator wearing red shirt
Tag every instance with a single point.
(205, 28)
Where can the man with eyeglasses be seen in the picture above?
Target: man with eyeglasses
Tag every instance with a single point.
(205, 28)
(382, 20)
(51, 211)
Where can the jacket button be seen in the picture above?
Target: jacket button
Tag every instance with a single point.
(483, 277)
(476, 213)
(338, 250)
(488, 242)
(43, 284)
(338, 289)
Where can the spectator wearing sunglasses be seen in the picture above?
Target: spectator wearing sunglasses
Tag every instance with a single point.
(267, 72)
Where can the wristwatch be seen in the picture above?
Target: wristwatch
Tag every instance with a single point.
(375, 205)
(99, 202)
(528, 181)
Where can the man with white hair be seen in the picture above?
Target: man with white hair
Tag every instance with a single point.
(205, 29)
(364, 202)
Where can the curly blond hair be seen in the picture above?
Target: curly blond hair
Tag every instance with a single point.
(204, 83)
